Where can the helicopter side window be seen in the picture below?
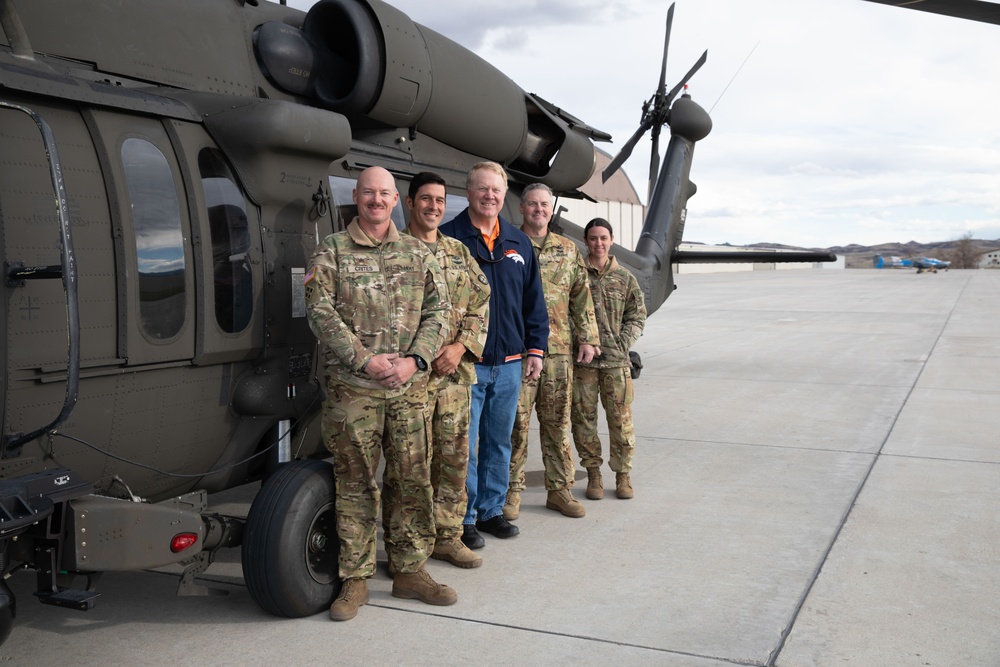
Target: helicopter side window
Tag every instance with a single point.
(453, 205)
(230, 233)
(346, 210)
(159, 239)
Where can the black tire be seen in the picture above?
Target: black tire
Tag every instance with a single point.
(8, 609)
(290, 544)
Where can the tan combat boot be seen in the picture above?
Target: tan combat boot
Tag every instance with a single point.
(420, 586)
(353, 594)
(623, 486)
(595, 485)
(456, 553)
(512, 506)
(564, 502)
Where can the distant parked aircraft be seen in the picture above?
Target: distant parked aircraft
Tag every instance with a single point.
(921, 263)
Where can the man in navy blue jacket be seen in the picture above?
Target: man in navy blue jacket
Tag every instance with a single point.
(519, 326)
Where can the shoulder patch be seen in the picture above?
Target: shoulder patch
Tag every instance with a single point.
(310, 274)
(483, 279)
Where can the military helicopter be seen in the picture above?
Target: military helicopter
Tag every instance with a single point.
(167, 170)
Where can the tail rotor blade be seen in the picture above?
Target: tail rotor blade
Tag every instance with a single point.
(654, 161)
(666, 48)
(691, 72)
(625, 152)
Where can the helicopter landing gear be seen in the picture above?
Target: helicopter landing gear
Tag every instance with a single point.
(290, 545)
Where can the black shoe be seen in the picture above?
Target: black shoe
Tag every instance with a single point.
(471, 538)
(498, 527)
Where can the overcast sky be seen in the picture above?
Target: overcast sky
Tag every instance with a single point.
(851, 122)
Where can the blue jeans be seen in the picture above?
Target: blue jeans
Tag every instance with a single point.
(494, 405)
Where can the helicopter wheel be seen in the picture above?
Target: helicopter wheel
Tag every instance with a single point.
(7, 610)
(290, 544)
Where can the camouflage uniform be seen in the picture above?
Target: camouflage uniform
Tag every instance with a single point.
(366, 298)
(571, 322)
(621, 315)
(449, 395)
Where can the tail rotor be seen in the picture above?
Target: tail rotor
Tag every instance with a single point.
(669, 187)
(655, 113)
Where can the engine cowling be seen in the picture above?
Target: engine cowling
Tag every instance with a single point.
(364, 58)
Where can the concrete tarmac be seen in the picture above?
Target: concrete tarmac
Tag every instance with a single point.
(817, 482)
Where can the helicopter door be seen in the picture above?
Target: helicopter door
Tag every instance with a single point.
(152, 232)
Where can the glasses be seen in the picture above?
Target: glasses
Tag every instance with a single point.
(498, 252)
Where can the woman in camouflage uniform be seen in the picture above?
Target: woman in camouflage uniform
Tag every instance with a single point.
(621, 315)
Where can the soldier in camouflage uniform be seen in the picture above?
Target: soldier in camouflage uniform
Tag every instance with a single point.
(453, 372)
(621, 315)
(377, 303)
(571, 323)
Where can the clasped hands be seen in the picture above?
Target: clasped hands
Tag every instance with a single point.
(391, 369)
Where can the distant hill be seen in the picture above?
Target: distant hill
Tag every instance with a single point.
(860, 256)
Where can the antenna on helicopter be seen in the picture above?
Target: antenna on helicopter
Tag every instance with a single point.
(655, 113)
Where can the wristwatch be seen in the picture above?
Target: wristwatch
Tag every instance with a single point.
(421, 364)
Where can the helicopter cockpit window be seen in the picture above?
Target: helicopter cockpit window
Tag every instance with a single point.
(159, 239)
(343, 201)
(230, 232)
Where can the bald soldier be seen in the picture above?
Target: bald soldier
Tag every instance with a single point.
(378, 307)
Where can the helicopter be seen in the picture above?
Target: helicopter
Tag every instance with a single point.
(167, 171)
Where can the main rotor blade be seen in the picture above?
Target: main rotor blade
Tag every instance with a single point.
(626, 150)
(694, 68)
(666, 47)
